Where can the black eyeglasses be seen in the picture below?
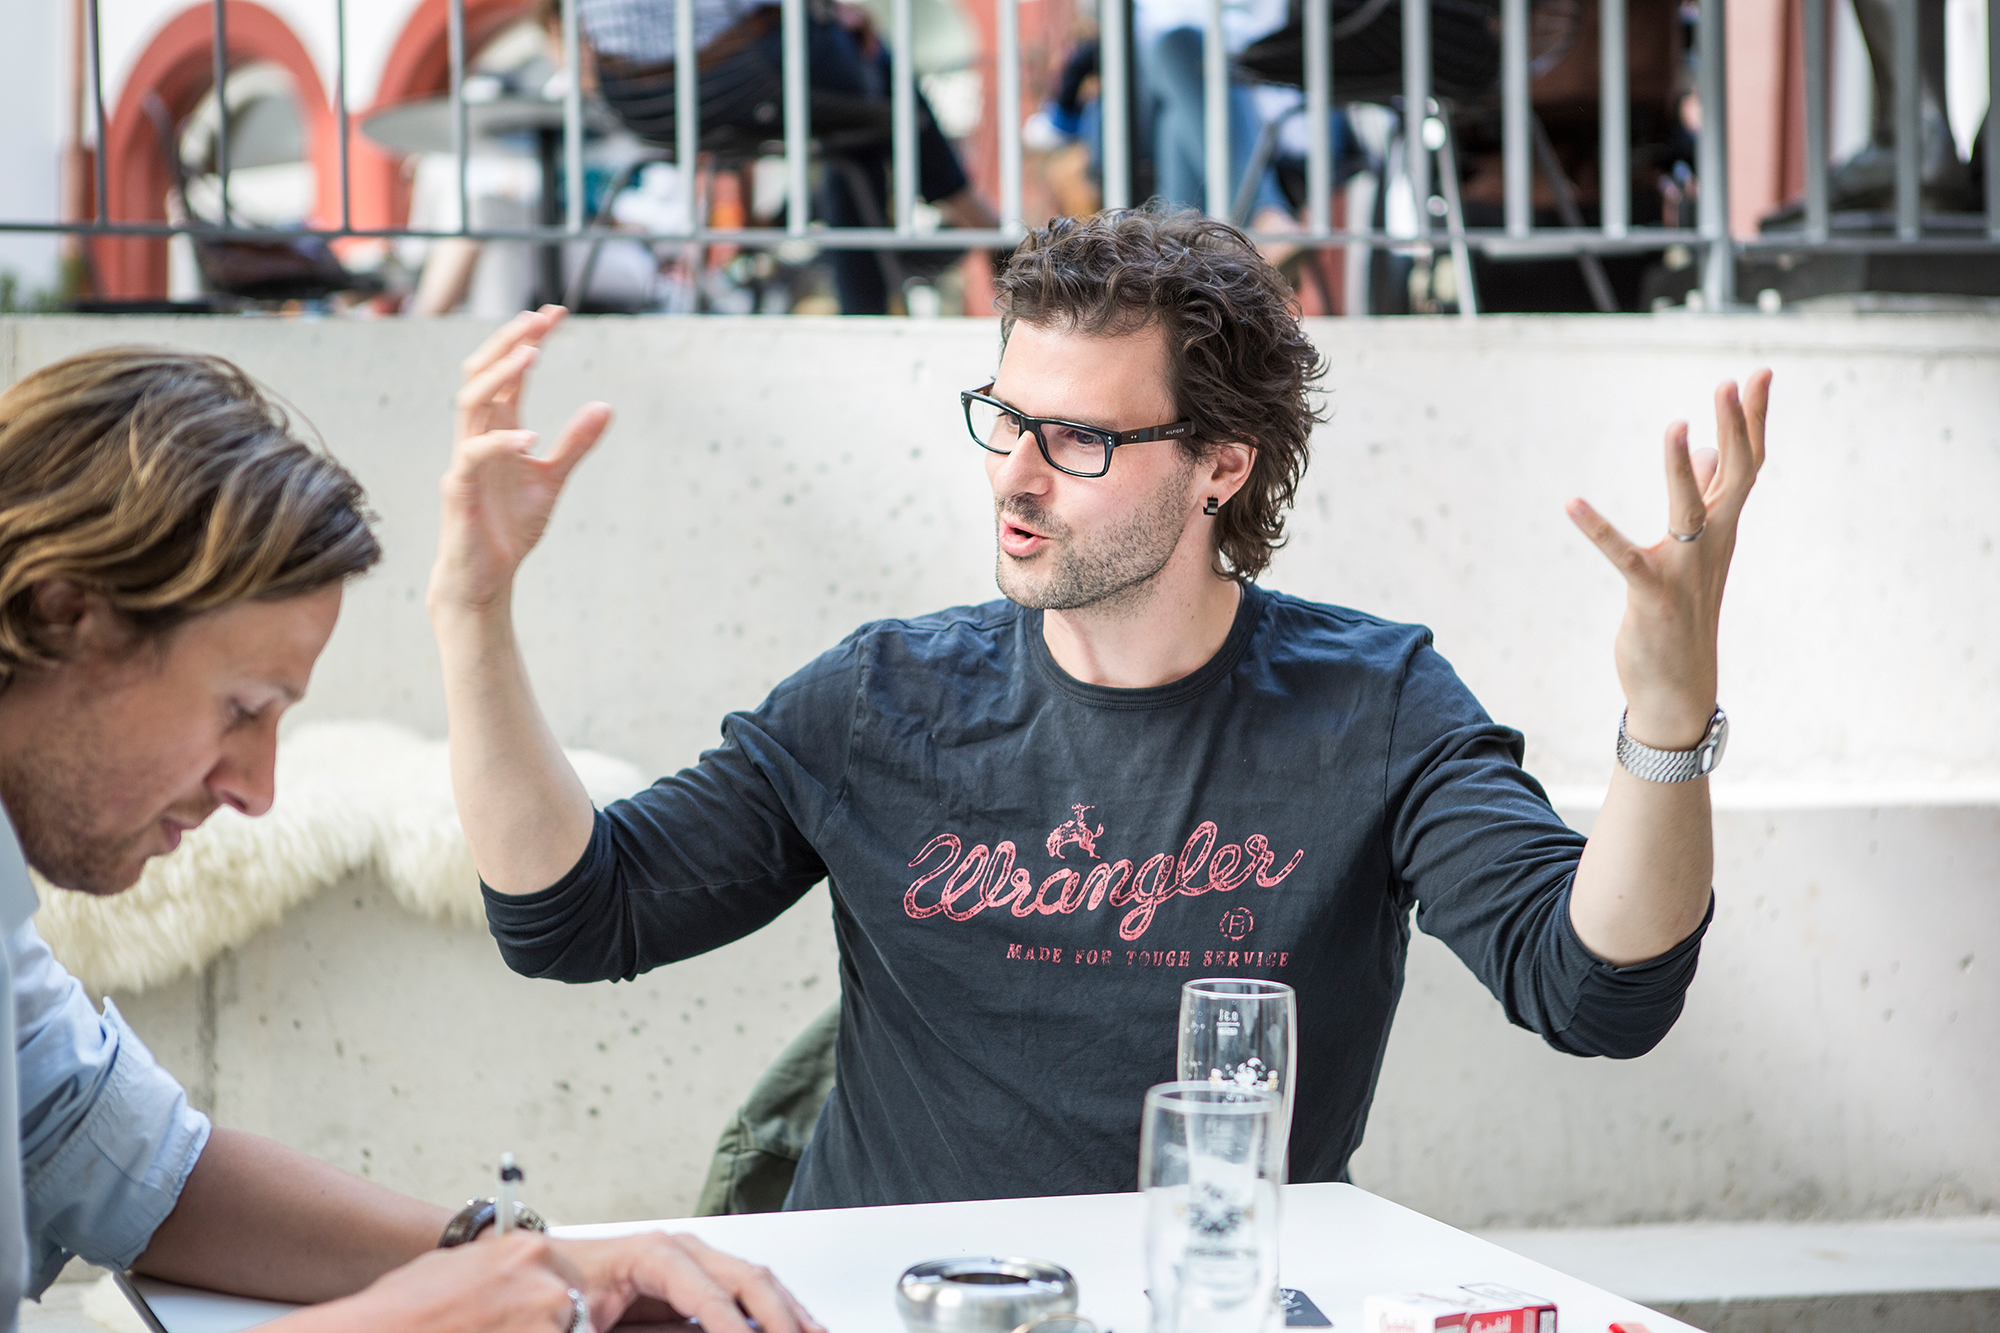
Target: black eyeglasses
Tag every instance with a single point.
(1081, 451)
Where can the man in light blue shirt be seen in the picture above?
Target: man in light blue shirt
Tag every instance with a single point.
(107, 1136)
(171, 566)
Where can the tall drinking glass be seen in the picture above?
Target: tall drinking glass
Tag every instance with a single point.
(1211, 1208)
(1243, 1034)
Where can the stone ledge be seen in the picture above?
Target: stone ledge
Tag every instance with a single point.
(1920, 1275)
(1881, 1312)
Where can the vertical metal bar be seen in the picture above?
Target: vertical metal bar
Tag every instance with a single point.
(460, 140)
(573, 120)
(1909, 123)
(1008, 17)
(70, 206)
(340, 108)
(1817, 219)
(903, 117)
(797, 110)
(1362, 192)
(1416, 103)
(1614, 148)
(220, 50)
(1992, 119)
(1114, 68)
(1215, 112)
(1454, 212)
(548, 254)
(1319, 118)
(1517, 166)
(97, 113)
(1594, 276)
(687, 112)
(1718, 282)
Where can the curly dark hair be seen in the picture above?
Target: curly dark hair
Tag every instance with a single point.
(1238, 364)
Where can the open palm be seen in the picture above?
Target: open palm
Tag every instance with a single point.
(497, 494)
(1666, 645)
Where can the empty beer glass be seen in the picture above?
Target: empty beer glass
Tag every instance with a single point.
(1243, 1034)
(1211, 1208)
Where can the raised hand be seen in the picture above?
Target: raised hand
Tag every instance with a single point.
(1666, 643)
(654, 1276)
(497, 493)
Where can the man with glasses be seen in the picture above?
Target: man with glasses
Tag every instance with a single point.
(1038, 817)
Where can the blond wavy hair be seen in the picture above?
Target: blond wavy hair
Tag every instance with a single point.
(169, 484)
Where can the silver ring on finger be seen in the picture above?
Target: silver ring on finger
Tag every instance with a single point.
(1687, 536)
(580, 1318)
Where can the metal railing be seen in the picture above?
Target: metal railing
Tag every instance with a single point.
(1426, 144)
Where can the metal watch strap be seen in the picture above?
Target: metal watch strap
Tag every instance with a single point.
(1643, 761)
(479, 1214)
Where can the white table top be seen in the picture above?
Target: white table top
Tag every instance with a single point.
(1339, 1245)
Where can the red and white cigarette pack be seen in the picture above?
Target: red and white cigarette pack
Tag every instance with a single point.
(1477, 1307)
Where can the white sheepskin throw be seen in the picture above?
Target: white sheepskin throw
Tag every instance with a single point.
(352, 797)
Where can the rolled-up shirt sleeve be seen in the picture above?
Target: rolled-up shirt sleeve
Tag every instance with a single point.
(1491, 866)
(107, 1136)
(704, 856)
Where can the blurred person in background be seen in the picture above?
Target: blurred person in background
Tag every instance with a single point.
(740, 61)
(503, 186)
(1068, 130)
(1868, 179)
(1170, 41)
(1171, 138)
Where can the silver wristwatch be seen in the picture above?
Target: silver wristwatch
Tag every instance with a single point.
(1643, 761)
(479, 1214)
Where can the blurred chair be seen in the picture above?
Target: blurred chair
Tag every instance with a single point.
(1367, 43)
(1366, 38)
(850, 112)
(731, 150)
(300, 268)
(758, 1152)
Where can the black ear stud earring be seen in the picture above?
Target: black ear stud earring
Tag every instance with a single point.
(1212, 507)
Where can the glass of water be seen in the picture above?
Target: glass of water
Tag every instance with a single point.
(1211, 1208)
(1243, 1034)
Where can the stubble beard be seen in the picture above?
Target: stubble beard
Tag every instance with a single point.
(49, 799)
(1111, 574)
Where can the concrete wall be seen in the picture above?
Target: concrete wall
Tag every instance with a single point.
(771, 484)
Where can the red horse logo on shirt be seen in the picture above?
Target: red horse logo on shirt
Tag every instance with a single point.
(1075, 832)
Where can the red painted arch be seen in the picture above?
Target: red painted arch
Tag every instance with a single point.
(418, 66)
(178, 64)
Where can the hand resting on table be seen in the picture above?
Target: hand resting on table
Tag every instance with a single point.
(521, 1284)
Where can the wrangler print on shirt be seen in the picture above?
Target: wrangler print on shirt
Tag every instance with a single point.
(1024, 868)
(959, 884)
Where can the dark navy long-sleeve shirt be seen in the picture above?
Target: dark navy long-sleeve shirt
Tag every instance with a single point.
(1025, 867)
